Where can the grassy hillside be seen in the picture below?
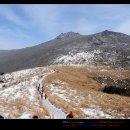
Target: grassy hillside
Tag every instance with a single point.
(74, 88)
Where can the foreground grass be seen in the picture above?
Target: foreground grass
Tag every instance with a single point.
(81, 80)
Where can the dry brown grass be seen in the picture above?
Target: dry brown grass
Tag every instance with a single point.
(39, 108)
(113, 73)
(15, 108)
(81, 80)
(66, 107)
(83, 104)
(75, 77)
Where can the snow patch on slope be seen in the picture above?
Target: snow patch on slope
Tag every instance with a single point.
(23, 73)
(58, 90)
(25, 115)
(54, 112)
(61, 90)
(78, 58)
(20, 96)
(95, 112)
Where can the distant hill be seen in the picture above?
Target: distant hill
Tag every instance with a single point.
(104, 48)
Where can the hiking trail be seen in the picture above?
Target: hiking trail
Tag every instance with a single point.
(55, 113)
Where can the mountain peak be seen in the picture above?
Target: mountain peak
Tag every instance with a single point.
(107, 32)
(67, 35)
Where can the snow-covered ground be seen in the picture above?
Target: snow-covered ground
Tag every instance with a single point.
(18, 93)
(25, 115)
(95, 113)
(19, 99)
(22, 87)
(55, 113)
(61, 90)
(78, 58)
(23, 73)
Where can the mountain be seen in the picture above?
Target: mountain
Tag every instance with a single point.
(104, 48)
(2, 51)
(67, 35)
(86, 74)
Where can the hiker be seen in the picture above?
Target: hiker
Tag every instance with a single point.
(38, 88)
(34, 117)
(1, 117)
(42, 87)
(41, 95)
(45, 96)
(42, 90)
(70, 115)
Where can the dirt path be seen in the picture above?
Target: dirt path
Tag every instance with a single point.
(54, 112)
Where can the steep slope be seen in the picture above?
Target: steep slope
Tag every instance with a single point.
(104, 48)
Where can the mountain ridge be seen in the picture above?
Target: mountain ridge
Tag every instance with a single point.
(113, 49)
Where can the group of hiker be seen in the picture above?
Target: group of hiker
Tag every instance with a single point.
(43, 94)
(41, 91)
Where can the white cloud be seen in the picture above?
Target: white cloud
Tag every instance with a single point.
(43, 16)
(52, 19)
(9, 14)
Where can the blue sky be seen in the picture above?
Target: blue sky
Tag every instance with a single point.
(25, 25)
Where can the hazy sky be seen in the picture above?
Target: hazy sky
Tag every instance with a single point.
(23, 25)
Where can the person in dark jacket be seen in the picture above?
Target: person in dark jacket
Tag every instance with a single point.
(41, 95)
(38, 88)
(70, 115)
(45, 95)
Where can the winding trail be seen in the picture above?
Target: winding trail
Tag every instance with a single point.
(54, 112)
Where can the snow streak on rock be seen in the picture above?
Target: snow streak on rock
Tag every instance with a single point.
(78, 58)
